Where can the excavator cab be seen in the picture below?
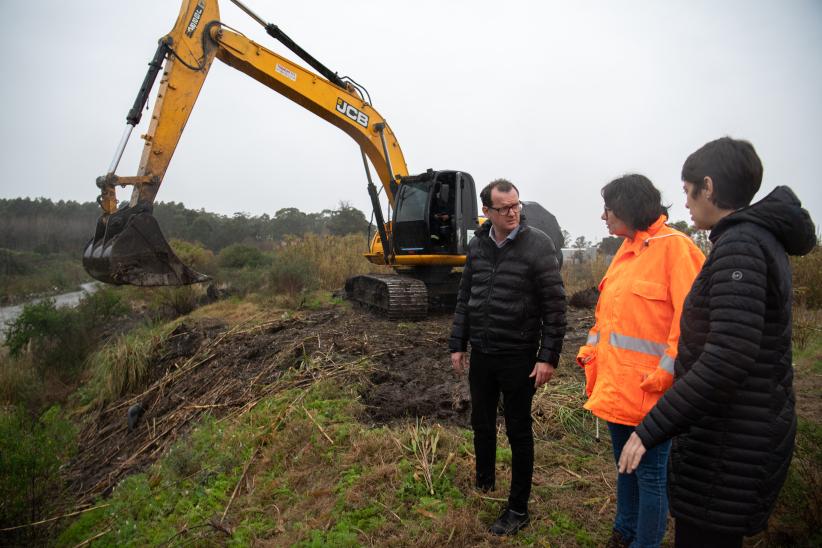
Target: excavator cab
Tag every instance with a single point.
(436, 214)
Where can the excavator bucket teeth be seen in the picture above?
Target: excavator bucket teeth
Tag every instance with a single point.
(129, 248)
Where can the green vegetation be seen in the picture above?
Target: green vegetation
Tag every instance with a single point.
(122, 364)
(23, 274)
(241, 256)
(799, 509)
(42, 226)
(175, 498)
(301, 466)
(47, 347)
(317, 262)
(194, 255)
(41, 242)
(807, 311)
(321, 478)
(292, 273)
(807, 279)
(59, 335)
(31, 453)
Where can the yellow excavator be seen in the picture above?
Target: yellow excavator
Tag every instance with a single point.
(432, 215)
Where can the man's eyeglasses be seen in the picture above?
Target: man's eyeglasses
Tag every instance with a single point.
(505, 210)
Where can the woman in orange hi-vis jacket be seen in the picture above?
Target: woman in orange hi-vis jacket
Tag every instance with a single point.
(630, 352)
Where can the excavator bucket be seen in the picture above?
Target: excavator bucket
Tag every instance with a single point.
(129, 248)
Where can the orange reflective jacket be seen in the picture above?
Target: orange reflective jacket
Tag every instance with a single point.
(630, 352)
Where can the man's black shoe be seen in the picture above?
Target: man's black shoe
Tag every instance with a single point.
(509, 522)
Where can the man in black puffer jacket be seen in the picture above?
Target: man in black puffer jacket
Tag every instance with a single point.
(731, 407)
(511, 307)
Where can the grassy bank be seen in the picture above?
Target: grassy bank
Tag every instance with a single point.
(25, 275)
(304, 465)
(300, 469)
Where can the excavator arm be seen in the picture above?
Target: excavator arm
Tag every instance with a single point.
(128, 246)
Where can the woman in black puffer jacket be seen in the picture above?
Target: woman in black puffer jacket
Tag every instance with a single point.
(731, 407)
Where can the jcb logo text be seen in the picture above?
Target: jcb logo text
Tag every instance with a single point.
(352, 112)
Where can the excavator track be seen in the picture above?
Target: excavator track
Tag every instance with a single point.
(396, 297)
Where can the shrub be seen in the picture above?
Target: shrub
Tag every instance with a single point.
(292, 272)
(14, 263)
(99, 307)
(54, 337)
(805, 326)
(807, 279)
(61, 334)
(20, 382)
(174, 301)
(241, 256)
(48, 343)
(41, 320)
(797, 517)
(194, 255)
(31, 452)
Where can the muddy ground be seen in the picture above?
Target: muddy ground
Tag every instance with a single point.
(207, 367)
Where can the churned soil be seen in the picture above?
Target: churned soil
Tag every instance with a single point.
(205, 366)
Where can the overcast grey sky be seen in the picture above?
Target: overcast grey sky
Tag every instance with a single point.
(559, 97)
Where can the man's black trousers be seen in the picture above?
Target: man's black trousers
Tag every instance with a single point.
(489, 375)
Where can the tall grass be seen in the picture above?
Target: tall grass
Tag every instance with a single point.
(807, 288)
(123, 364)
(807, 279)
(20, 383)
(319, 262)
(578, 277)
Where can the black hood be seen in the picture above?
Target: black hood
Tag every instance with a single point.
(782, 214)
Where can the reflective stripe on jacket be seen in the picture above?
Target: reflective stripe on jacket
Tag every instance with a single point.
(630, 352)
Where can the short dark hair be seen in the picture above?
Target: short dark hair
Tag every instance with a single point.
(502, 185)
(635, 200)
(733, 166)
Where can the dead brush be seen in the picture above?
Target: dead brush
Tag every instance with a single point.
(805, 326)
(577, 277)
(423, 444)
(558, 411)
(807, 279)
(176, 402)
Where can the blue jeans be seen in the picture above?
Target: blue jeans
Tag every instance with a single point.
(642, 498)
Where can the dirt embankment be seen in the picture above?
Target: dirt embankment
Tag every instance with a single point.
(206, 367)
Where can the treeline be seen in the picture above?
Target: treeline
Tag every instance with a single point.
(43, 226)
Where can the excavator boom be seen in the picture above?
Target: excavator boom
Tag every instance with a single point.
(434, 213)
(128, 246)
